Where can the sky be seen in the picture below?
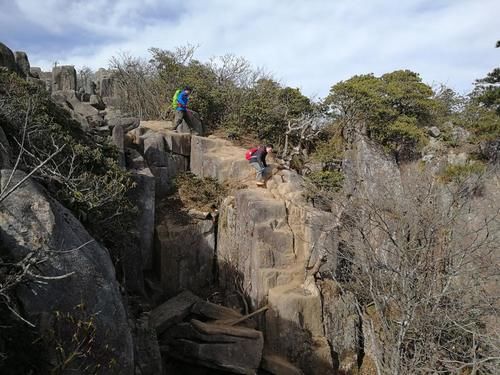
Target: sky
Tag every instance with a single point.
(309, 44)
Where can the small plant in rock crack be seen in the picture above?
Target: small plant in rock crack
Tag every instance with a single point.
(72, 337)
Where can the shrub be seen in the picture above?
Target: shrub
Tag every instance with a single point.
(84, 176)
(459, 173)
(391, 109)
(199, 193)
(326, 181)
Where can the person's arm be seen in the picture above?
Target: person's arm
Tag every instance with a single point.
(262, 156)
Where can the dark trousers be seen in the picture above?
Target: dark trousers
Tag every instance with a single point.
(179, 116)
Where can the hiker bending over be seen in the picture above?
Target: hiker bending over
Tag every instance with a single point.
(257, 159)
(180, 101)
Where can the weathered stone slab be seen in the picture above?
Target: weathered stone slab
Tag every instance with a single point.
(178, 143)
(214, 311)
(172, 311)
(234, 349)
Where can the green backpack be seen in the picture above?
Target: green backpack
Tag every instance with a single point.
(174, 99)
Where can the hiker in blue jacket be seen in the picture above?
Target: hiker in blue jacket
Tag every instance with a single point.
(258, 161)
(181, 110)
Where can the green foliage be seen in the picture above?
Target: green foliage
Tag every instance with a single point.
(402, 133)
(85, 176)
(488, 90)
(392, 108)
(330, 150)
(458, 173)
(226, 93)
(72, 338)
(480, 111)
(326, 181)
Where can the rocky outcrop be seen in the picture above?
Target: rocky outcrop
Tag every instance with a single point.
(22, 64)
(268, 238)
(64, 78)
(7, 59)
(236, 350)
(30, 222)
(370, 171)
(205, 334)
(83, 112)
(173, 311)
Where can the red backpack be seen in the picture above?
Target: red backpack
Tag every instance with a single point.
(250, 152)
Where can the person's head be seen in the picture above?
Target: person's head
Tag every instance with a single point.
(269, 148)
(188, 89)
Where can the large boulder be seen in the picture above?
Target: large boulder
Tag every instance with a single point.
(236, 350)
(192, 124)
(63, 78)
(83, 112)
(7, 59)
(23, 64)
(45, 77)
(33, 223)
(127, 123)
(173, 311)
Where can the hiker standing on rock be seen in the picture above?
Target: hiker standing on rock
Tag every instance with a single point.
(179, 103)
(257, 158)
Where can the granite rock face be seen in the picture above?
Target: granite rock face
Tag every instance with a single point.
(23, 64)
(268, 238)
(31, 222)
(7, 59)
(64, 78)
(184, 255)
(217, 158)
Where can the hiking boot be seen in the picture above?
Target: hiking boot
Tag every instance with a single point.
(260, 183)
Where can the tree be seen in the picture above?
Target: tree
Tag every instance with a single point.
(391, 109)
(270, 107)
(487, 91)
(424, 275)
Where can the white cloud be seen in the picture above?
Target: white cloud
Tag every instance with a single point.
(309, 44)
